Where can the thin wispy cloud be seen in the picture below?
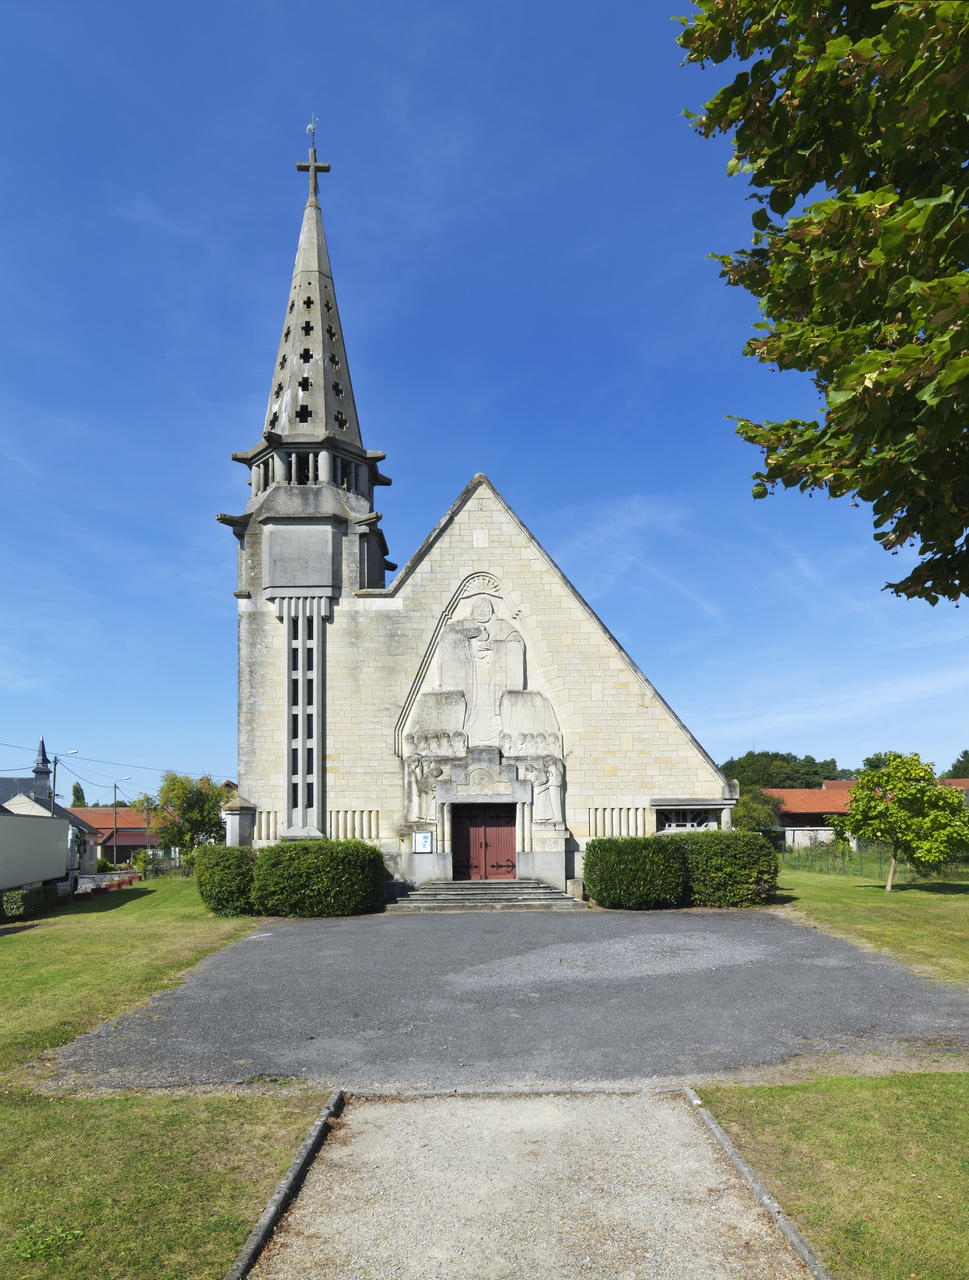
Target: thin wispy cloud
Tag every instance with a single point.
(143, 211)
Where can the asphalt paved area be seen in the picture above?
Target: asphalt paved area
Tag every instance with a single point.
(514, 999)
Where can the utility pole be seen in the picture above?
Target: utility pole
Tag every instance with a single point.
(115, 841)
(53, 779)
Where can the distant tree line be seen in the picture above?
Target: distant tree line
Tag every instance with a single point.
(756, 770)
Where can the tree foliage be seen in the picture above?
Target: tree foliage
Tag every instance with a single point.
(780, 769)
(867, 289)
(77, 796)
(755, 811)
(959, 767)
(186, 812)
(903, 806)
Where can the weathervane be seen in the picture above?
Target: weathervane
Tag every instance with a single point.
(311, 166)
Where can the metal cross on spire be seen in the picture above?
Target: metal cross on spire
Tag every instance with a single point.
(312, 167)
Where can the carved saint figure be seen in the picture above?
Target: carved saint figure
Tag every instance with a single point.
(420, 780)
(547, 779)
(483, 656)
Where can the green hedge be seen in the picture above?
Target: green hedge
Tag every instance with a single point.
(728, 868)
(224, 877)
(318, 878)
(23, 904)
(715, 868)
(634, 872)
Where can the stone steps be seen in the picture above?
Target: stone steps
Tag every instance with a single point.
(484, 895)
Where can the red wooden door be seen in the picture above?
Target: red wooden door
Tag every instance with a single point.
(483, 842)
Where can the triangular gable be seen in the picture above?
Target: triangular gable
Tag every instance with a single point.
(439, 532)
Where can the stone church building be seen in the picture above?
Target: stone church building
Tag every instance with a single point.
(472, 717)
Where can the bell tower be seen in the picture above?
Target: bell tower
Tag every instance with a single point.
(308, 535)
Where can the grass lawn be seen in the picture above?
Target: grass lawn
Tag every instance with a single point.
(141, 1187)
(138, 1188)
(875, 1172)
(65, 972)
(924, 924)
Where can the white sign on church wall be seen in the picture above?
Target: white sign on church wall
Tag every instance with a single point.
(423, 842)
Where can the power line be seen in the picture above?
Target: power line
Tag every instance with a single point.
(120, 764)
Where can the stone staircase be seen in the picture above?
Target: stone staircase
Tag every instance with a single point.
(484, 895)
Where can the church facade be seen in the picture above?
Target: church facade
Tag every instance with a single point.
(472, 717)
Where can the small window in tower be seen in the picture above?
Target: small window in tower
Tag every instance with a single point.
(304, 383)
(295, 666)
(292, 304)
(340, 419)
(334, 360)
(303, 459)
(328, 306)
(303, 414)
(309, 628)
(294, 727)
(309, 726)
(309, 759)
(309, 659)
(294, 691)
(295, 795)
(308, 302)
(279, 390)
(309, 795)
(294, 761)
(274, 418)
(337, 390)
(286, 334)
(294, 627)
(306, 355)
(331, 333)
(307, 327)
(309, 690)
(282, 362)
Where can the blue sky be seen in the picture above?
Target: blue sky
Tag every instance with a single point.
(518, 218)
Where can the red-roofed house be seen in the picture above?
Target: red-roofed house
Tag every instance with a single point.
(804, 809)
(116, 843)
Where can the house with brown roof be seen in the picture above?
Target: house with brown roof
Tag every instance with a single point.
(804, 810)
(120, 833)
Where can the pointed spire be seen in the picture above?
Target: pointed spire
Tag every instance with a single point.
(42, 763)
(311, 395)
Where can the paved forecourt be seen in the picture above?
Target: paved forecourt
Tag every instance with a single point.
(483, 1000)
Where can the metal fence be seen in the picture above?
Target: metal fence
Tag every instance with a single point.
(871, 860)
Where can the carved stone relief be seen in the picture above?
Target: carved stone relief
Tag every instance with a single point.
(475, 697)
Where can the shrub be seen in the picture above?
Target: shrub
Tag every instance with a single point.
(318, 878)
(635, 872)
(104, 865)
(727, 868)
(23, 904)
(224, 875)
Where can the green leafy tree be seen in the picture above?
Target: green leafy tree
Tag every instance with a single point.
(780, 769)
(867, 288)
(902, 805)
(959, 767)
(878, 759)
(186, 812)
(77, 796)
(755, 811)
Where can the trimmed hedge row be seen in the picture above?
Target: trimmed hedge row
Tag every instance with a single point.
(24, 904)
(293, 878)
(684, 868)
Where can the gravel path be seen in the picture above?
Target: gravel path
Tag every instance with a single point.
(548, 1187)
